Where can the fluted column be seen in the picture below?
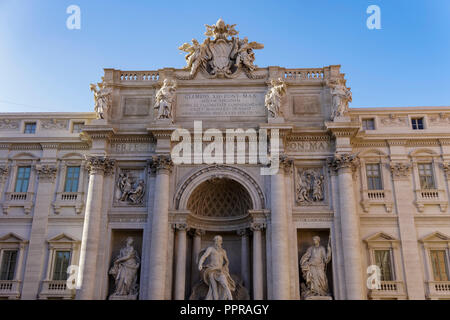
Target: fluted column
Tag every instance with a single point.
(98, 167)
(196, 247)
(258, 289)
(35, 259)
(244, 258)
(159, 237)
(351, 241)
(180, 262)
(279, 230)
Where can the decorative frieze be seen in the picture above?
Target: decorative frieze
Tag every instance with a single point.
(46, 172)
(343, 161)
(394, 121)
(400, 170)
(8, 124)
(309, 189)
(100, 165)
(440, 120)
(54, 124)
(160, 162)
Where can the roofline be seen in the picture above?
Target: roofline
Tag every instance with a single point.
(399, 109)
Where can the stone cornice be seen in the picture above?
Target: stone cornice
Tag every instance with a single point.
(99, 165)
(101, 132)
(343, 129)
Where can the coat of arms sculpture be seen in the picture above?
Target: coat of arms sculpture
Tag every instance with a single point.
(221, 55)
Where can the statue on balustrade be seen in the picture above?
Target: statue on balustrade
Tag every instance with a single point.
(274, 97)
(313, 266)
(165, 99)
(125, 272)
(341, 96)
(215, 272)
(102, 98)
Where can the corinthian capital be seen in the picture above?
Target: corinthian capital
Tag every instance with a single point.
(400, 170)
(99, 165)
(257, 226)
(161, 163)
(46, 172)
(343, 161)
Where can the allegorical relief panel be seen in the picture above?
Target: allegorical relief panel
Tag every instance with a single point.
(309, 186)
(130, 187)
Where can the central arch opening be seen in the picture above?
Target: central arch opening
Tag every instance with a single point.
(220, 197)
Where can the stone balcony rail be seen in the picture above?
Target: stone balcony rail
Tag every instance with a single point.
(389, 289)
(304, 74)
(18, 199)
(377, 197)
(10, 289)
(129, 76)
(376, 194)
(438, 289)
(431, 197)
(56, 289)
(17, 196)
(69, 199)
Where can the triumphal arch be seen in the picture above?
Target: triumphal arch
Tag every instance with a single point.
(225, 180)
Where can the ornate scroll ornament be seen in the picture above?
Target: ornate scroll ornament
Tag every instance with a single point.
(54, 124)
(165, 100)
(100, 165)
(257, 226)
(400, 169)
(309, 186)
(160, 162)
(221, 55)
(445, 166)
(274, 98)
(6, 124)
(4, 172)
(46, 172)
(342, 161)
(102, 98)
(341, 97)
(131, 191)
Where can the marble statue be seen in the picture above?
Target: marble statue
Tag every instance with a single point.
(221, 55)
(102, 98)
(313, 265)
(215, 272)
(309, 186)
(165, 99)
(341, 96)
(127, 192)
(274, 97)
(124, 271)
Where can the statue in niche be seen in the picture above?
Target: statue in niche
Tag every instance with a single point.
(102, 98)
(125, 271)
(165, 98)
(274, 97)
(313, 265)
(127, 192)
(309, 188)
(215, 272)
(341, 96)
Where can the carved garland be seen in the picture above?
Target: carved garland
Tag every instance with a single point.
(46, 172)
(400, 169)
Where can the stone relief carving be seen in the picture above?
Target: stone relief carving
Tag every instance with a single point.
(400, 169)
(221, 55)
(125, 271)
(130, 189)
(215, 272)
(165, 100)
(341, 97)
(54, 124)
(313, 266)
(102, 98)
(394, 120)
(46, 172)
(309, 186)
(441, 120)
(6, 124)
(274, 99)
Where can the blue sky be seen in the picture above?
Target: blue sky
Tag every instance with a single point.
(46, 67)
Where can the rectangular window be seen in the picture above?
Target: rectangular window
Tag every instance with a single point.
(368, 124)
(373, 176)
(426, 176)
(77, 126)
(62, 261)
(72, 177)
(383, 261)
(440, 267)
(23, 179)
(8, 267)
(30, 127)
(417, 124)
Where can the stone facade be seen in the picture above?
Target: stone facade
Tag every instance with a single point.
(372, 182)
